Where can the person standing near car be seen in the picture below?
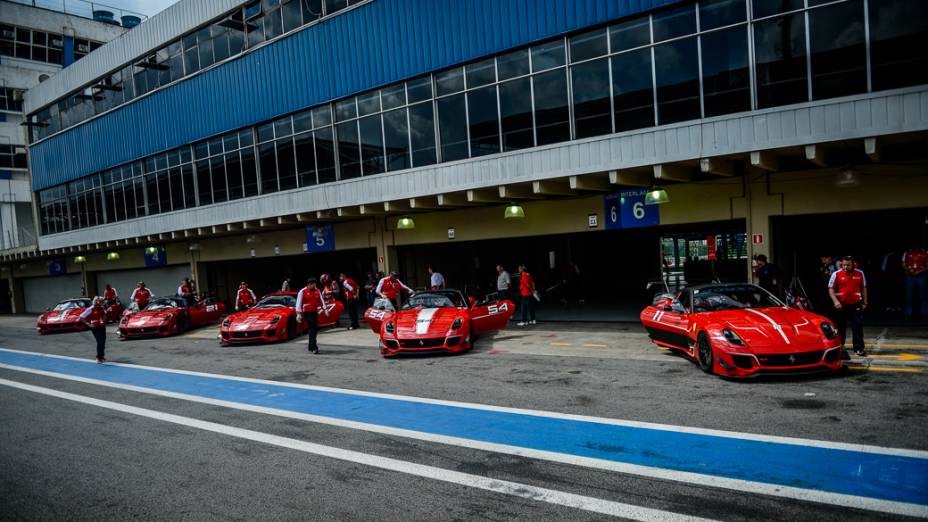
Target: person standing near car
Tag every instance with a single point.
(308, 304)
(245, 298)
(352, 295)
(527, 291)
(391, 288)
(95, 319)
(436, 280)
(285, 286)
(503, 282)
(109, 294)
(141, 295)
(185, 290)
(848, 291)
(915, 264)
(768, 275)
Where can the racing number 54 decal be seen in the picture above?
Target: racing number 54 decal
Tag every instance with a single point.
(495, 309)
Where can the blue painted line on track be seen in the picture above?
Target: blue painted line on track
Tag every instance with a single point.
(884, 477)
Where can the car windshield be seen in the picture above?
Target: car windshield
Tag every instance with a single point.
(716, 298)
(163, 302)
(277, 301)
(73, 303)
(435, 300)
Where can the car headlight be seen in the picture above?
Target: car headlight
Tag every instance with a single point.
(457, 323)
(829, 331)
(227, 322)
(168, 318)
(389, 328)
(275, 319)
(732, 337)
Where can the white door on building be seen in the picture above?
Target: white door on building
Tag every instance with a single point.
(40, 293)
(161, 281)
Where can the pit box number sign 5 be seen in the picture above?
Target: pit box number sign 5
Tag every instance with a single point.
(626, 209)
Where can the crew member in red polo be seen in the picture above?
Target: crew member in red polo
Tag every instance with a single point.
(352, 293)
(95, 319)
(915, 264)
(391, 287)
(527, 291)
(245, 298)
(848, 291)
(109, 293)
(308, 304)
(141, 295)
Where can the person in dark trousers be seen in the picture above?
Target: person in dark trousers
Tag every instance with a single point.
(527, 291)
(768, 275)
(915, 264)
(848, 291)
(95, 319)
(352, 294)
(369, 284)
(308, 303)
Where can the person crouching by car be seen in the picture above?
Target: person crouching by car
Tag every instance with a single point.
(245, 298)
(308, 303)
(527, 291)
(848, 291)
(95, 319)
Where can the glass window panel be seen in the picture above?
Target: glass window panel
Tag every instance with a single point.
(188, 182)
(349, 152)
(302, 121)
(780, 56)
(217, 168)
(236, 41)
(548, 55)
(312, 10)
(215, 146)
(419, 89)
(245, 138)
(283, 127)
(396, 139)
(305, 159)
(221, 47)
(516, 114)
(230, 142)
(346, 109)
(480, 73)
(552, 117)
(249, 172)
(177, 189)
(265, 132)
(772, 7)
(393, 96)
(592, 106)
(151, 193)
(719, 13)
(325, 154)
(255, 28)
(293, 17)
(234, 175)
(484, 121)
(273, 25)
(322, 116)
(677, 74)
(450, 81)
(839, 55)
(588, 45)
(286, 164)
(898, 32)
(513, 64)
(452, 128)
(674, 23)
(191, 63)
(206, 53)
(268, 163)
(633, 94)
(368, 103)
(335, 5)
(422, 134)
(371, 145)
(725, 73)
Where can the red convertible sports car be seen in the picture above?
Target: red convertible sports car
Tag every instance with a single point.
(65, 317)
(741, 330)
(436, 321)
(273, 318)
(165, 316)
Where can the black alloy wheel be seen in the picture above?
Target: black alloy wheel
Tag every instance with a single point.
(705, 355)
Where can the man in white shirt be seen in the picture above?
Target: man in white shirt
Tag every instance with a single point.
(503, 282)
(436, 280)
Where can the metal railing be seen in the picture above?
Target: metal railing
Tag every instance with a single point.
(92, 10)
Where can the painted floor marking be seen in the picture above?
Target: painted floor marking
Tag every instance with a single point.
(865, 477)
(896, 369)
(505, 487)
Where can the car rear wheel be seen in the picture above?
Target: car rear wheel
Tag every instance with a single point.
(705, 355)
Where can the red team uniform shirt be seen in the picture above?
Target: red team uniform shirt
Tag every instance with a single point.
(848, 286)
(310, 300)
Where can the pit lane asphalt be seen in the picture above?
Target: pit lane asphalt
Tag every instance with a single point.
(65, 460)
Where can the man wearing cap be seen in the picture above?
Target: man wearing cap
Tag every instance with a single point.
(95, 319)
(141, 295)
(308, 304)
(245, 298)
(391, 287)
(848, 291)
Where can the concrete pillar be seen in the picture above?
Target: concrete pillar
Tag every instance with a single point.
(197, 271)
(384, 241)
(16, 289)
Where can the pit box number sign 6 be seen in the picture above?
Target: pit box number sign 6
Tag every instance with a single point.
(626, 209)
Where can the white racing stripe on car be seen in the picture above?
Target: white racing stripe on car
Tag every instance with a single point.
(504, 487)
(424, 320)
(771, 321)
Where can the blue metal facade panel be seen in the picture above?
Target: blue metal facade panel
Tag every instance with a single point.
(372, 45)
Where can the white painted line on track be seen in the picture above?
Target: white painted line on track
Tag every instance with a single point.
(505, 487)
(701, 480)
(880, 450)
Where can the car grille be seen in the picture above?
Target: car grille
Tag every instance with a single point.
(62, 326)
(795, 359)
(745, 362)
(147, 329)
(422, 343)
(246, 335)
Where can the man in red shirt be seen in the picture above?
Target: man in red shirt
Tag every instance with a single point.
(95, 319)
(848, 291)
(245, 298)
(527, 291)
(141, 295)
(352, 294)
(308, 303)
(391, 287)
(915, 264)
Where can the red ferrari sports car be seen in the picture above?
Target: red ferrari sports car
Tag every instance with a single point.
(741, 330)
(165, 316)
(64, 317)
(436, 321)
(273, 318)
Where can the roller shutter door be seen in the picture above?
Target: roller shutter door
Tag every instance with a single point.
(40, 293)
(161, 281)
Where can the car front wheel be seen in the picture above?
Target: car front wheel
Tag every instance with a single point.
(705, 355)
